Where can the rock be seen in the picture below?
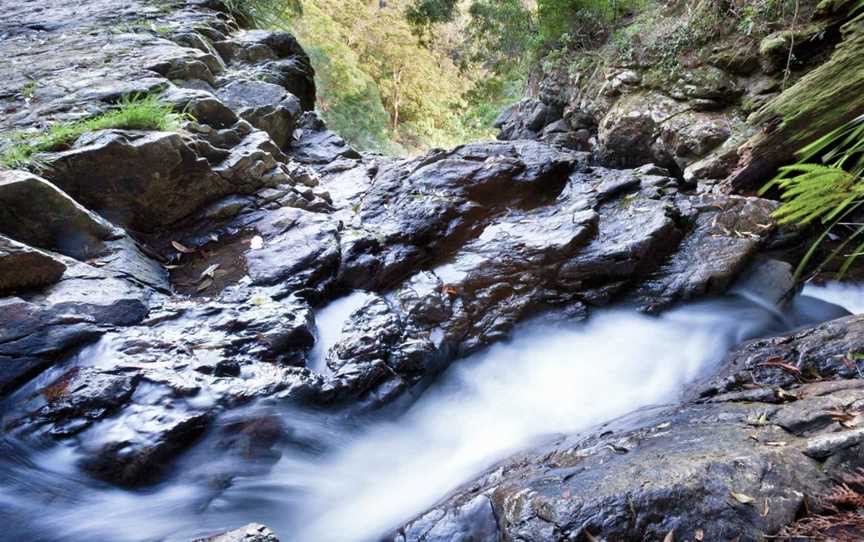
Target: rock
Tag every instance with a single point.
(422, 210)
(770, 281)
(300, 251)
(726, 235)
(474, 520)
(706, 84)
(254, 532)
(317, 145)
(36, 332)
(525, 120)
(149, 180)
(202, 105)
(157, 437)
(286, 64)
(200, 358)
(823, 352)
(626, 134)
(725, 469)
(266, 106)
(35, 212)
(22, 267)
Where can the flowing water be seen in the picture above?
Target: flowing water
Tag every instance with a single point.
(345, 478)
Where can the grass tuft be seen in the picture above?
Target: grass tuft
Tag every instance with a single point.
(131, 113)
(264, 13)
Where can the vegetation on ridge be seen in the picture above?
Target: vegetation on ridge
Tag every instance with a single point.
(131, 113)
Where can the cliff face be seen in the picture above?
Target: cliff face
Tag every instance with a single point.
(721, 93)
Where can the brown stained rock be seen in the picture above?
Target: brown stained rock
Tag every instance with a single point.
(22, 267)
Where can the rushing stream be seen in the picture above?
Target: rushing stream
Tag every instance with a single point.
(344, 478)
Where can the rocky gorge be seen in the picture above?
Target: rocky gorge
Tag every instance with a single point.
(168, 334)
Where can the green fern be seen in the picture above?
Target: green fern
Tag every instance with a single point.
(825, 186)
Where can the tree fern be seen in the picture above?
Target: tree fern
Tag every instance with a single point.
(825, 187)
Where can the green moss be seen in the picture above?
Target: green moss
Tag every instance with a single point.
(132, 113)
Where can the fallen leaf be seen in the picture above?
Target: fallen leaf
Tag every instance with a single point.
(204, 285)
(742, 498)
(97, 263)
(776, 443)
(172, 267)
(259, 300)
(780, 364)
(210, 272)
(765, 509)
(665, 425)
(590, 536)
(670, 536)
(699, 535)
(783, 394)
(182, 248)
(209, 346)
(846, 419)
(256, 243)
(449, 290)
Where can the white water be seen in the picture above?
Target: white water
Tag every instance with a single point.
(551, 378)
(847, 295)
(329, 321)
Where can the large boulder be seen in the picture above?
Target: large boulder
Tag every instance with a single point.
(149, 180)
(266, 106)
(36, 212)
(693, 471)
(23, 267)
(316, 145)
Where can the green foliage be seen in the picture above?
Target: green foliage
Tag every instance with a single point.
(559, 17)
(422, 14)
(264, 13)
(132, 113)
(826, 186)
(384, 90)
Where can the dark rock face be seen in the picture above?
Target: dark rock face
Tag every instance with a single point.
(740, 464)
(36, 212)
(419, 211)
(22, 267)
(38, 328)
(317, 145)
(149, 180)
(827, 351)
(265, 106)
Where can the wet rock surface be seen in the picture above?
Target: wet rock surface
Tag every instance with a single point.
(242, 223)
(173, 277)
(739, 464)
(254, 532)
